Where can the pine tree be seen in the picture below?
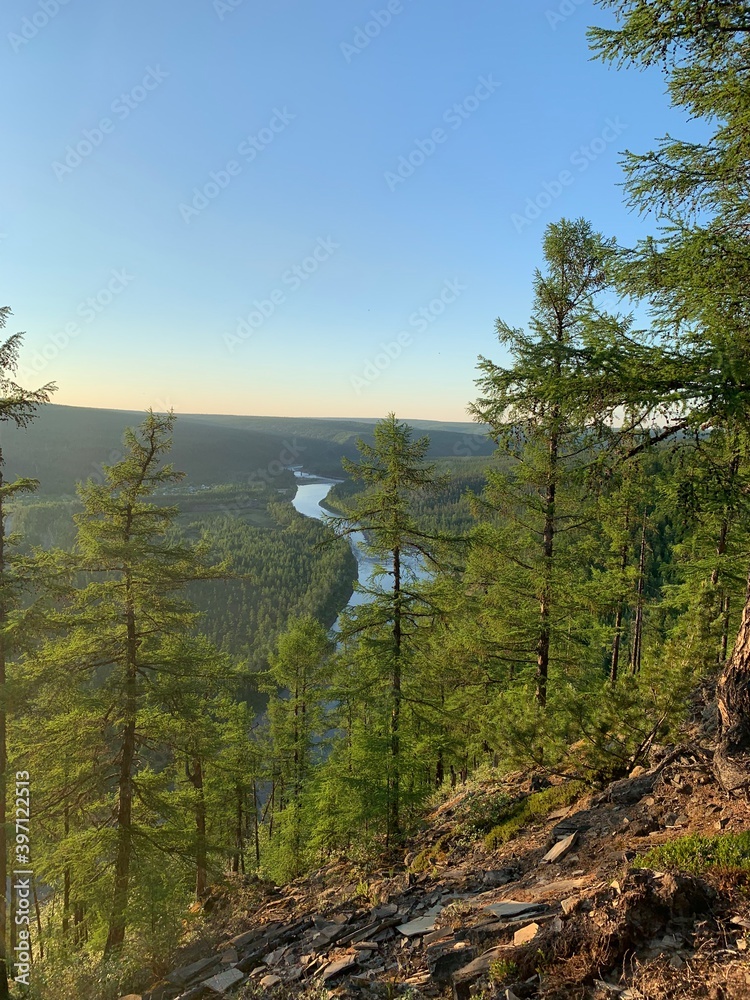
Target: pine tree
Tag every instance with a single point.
(549, 411)
(694, 274)
(141, 682)
(299, 678)
(18, 406)
(394, 473)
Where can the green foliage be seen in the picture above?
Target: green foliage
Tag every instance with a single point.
(698, 854)
(502, 970)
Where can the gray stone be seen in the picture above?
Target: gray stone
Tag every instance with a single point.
(187, 973)
(336, 968)
(510, 910)
(247, 937)
(420, 926)
(224, 981)
(561, 848)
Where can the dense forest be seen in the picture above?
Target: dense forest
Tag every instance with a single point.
(171, 691)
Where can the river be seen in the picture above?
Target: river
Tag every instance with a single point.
(307, 501)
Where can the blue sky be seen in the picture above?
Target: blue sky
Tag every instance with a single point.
(271, 207)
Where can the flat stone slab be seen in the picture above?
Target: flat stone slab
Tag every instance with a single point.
(525, 934)
(224, 981)
(187, 973)
(421, 925)
(246, 938)
(511, 910)
(336, 968)
(561, 848)
(559, 888)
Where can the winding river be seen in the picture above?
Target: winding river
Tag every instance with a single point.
(307, 501)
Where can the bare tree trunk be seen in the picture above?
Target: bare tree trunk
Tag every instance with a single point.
(635, 661)
(118, 916)
(255, 824)
(38, 911)
(394, 825)
(732, 757)
(617, 638)
(545, 601)
(195, 776)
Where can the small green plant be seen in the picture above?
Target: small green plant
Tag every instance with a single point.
(532, 808)
(697, 854)
(502, 970)
(430, 856)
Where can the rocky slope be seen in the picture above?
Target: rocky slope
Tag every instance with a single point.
(558, 912)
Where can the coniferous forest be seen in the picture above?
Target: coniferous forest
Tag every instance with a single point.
(171, 689)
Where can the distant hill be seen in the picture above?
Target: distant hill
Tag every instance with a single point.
(66, 444)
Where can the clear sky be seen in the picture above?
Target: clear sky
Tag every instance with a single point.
(231, 205)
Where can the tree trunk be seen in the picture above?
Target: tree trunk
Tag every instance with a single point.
(545, 601)
(118, 916)
(394, 825)
(635, 661)
(66, 878)
(256, 836)
(195, 777)
(732, 757)
(617, 638)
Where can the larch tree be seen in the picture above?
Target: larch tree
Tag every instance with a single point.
(393, 472)
(548, 410)
(18, 406)
(125, 639)
(695, 272)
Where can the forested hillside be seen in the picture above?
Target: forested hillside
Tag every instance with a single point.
(66, 444)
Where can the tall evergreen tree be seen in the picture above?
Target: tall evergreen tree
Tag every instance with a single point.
(300, 674)
(548, 424)
(125, 643)
(696, 271)
(17, 406)
(394, 472)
